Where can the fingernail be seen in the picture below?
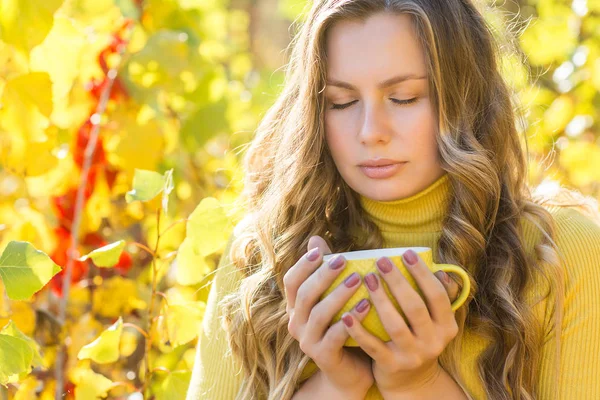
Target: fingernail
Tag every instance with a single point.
(352, 280)
(313, 254)
(442, 276)
(410, 257)
(371, 281)
(336, 262)
(362, 306)
(347, 320)
(384, 264)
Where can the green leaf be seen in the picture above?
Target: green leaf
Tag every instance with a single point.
(208, 226)
(148, 184)
(105, 349)
(174, 386)
(15, 358)
(192, 267)
(203, 124)
(12, 330)
(128, 9)
(25, 23)
(183, 321)
(25, 270)
(107, 256)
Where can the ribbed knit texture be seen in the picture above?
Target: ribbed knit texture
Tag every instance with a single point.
(417, 221)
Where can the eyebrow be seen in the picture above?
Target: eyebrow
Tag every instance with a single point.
(387, 83)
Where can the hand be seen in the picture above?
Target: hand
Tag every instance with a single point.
(410, 359)
(347, 369)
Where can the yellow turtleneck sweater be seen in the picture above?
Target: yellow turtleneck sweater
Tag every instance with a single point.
(417, 221)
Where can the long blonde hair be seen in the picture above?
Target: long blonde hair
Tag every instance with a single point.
(293, 191)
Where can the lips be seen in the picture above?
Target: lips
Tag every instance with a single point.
(379, 162)
(382, 171)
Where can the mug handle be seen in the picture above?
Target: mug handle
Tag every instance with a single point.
(466, 286)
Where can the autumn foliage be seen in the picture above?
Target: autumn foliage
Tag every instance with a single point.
(120, 124)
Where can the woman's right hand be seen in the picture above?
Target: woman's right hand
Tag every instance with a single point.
(347, 370)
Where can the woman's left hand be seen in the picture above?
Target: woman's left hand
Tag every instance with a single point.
(410, 359)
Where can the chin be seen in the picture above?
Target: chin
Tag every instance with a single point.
(393, 192)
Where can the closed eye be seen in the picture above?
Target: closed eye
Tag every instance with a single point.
(346, 105)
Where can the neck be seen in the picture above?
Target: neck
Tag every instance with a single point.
(422, 212)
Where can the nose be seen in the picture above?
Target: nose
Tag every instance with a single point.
(375, 127)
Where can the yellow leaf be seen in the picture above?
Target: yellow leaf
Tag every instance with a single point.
(27, 158)
(26, 224)
(25, 23)
(27, 389)
(90, 385)
(55, 181)
(12, 62)
(117, 296)
(129, 342)
(68, 41)
(105, 349)
(21, 313)
(82, 332)
(124, 136)
(99, 205)
(27, 105)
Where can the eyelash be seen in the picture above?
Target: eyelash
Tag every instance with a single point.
(399, 102)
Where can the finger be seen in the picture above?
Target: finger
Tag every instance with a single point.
(315, 285)
(391, 319)
(303, 268)
(318, 241)
(434, 292)
(452, 288)
(337, 334)
(322, 314)
(370, 344)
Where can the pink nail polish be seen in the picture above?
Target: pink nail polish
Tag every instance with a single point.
(347, 320)
(371, 281)
(384, 264)
(313, 254)
(352, 280)
(410, 257)
(362, 305)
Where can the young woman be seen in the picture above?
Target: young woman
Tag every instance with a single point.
(414, 85)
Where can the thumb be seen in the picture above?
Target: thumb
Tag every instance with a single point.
(318, 241)
(449, 283)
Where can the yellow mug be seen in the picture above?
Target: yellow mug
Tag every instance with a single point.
(363, 262)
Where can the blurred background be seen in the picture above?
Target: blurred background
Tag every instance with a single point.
(177, 87)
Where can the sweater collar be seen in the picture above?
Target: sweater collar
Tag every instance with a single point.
(422, 212)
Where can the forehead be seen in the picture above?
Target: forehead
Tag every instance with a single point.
(381, 45)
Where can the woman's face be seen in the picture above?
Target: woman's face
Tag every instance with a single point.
(382, 117)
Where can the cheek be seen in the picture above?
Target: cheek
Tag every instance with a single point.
(421, 126)
(334, 135)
